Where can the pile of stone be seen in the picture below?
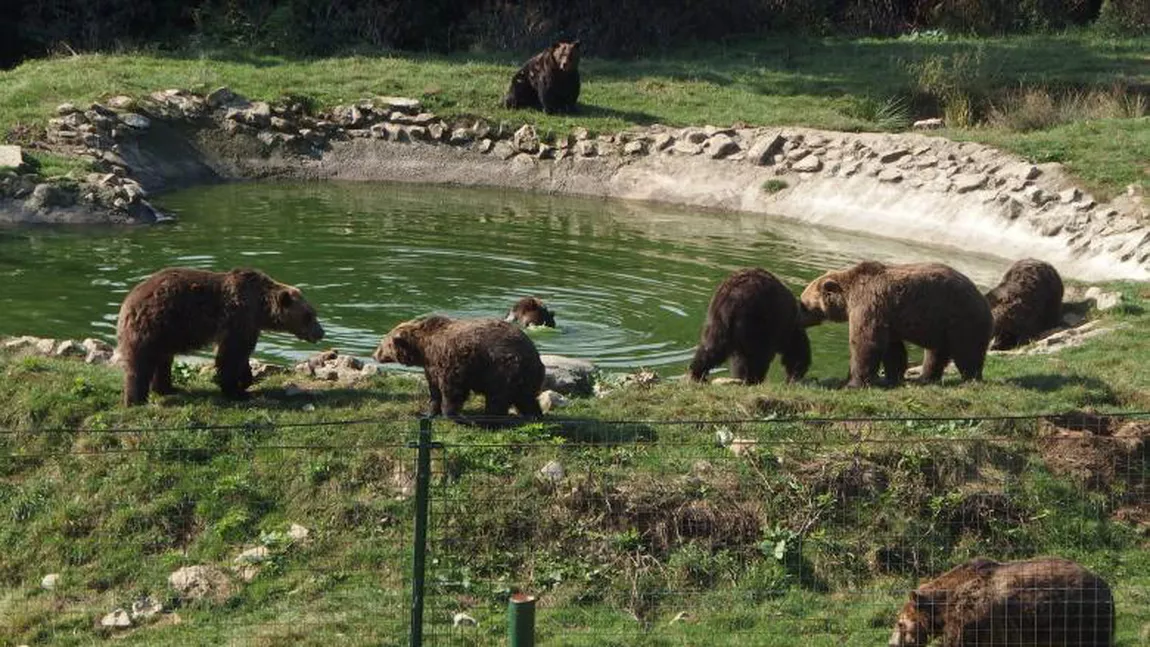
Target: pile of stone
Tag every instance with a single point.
(93, 351)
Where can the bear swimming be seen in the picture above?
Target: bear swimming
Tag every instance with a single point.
(530, 311)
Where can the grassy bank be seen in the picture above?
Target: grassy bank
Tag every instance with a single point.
(812, 529)
(1078, 99)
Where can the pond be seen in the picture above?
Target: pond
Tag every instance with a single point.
(629, 282)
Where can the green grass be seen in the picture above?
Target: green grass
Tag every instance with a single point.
(862, 84)
(812, 532)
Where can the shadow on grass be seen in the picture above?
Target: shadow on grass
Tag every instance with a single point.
(1050, 382)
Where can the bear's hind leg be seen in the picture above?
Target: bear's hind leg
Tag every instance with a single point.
(934, 361)
(706, 358)
(162, 376)
(970, 366)
(894, 362)
(528, 407)
(233, 372)
(797, 354)
(452, 400)
(495, 404)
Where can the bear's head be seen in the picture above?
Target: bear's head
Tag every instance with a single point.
(290, 312)
(530, 311)
(566, 54)
(919, 619)
(404, 343)
(823, 299)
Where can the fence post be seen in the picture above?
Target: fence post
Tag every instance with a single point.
(419, 555)
(521, 620)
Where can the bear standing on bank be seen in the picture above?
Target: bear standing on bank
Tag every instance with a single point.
(488, 356)
(751, 318)
(178, 310)
(549, 81)
(1027, 302)
(927, 304)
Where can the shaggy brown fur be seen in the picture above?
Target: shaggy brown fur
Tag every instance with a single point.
(549, 81)
(927, 304)
(530, 311)
(487, 356)
(1041, 602)
(1027, 302)
(178, 310)
(752, 317)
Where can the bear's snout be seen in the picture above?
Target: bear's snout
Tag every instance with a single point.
(314, 334)
(809, 317)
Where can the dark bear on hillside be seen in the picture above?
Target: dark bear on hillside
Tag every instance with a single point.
(751, 318)
(530, 311)
(928, 304)
(1026, 303)
(178, 310)
(1045, 601)
(549, 81)
(491, 357)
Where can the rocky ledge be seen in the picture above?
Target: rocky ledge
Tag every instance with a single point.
(908, 186)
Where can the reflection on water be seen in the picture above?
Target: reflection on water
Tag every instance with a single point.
(629, 282)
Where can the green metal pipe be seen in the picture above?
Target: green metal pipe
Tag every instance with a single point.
(419, 554)
(521, 620)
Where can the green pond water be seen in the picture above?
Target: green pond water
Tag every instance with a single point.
(629, 282)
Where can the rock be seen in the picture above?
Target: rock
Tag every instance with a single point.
(1072, 319)
(118, 619)
(11, 157)
(401, 104)
(967, 182)
(765, 148)
(740, 446)
(504, 150)
(580, 134)
(437, 131)
(552, 471)
(694, 135)
(567, 375)
(549, 400)
(893, 155)
(637, 147)
(46, 196)
(121, 102)
(662, 141)
(97, 351)
(463, 620)
(810, 164)
(723, 437)
(927, 124)
(586, 148)
(1069, 195)
(1013, 208)
(1103, 300)
(525, 139)
(796, 154)
(424, 119)
(1037, 196)
(133, 120)
(890, 175)
(256, 555)
(65, 109)
(49, 581)
(485, 145)
(69, 348)
(201, 582)
(221, 96)
(721, 145)
(687, 147)
(1022, 171)
(145, 608)
(461, 136)
(723, 381)
(298, 533)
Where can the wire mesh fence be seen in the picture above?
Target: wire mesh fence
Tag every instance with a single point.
(788, 532)
(735, 532)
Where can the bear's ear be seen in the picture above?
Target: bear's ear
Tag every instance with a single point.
(830, 286)
(284, 299)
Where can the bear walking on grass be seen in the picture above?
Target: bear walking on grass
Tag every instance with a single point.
(530, 311)
(1040, 602)
(927, 304)
(1027, 302)
(549, 81)
(751, 318)
(488, 356)
(178, 310)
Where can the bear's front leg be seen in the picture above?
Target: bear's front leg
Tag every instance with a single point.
(138, 370)
(233, 372)
(869, 342)
(162, 376)
(435, 407)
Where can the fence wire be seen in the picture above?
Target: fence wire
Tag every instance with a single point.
(723, 532)
(789, 532)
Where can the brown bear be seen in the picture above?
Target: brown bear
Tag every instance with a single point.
(1027, 302)
(530, 311)
(1040, 602)
(488, 356)
(928, 304)
(751, 318)
(549, 81)
(178, 310)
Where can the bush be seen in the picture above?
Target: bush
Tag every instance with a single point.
(1125, 17)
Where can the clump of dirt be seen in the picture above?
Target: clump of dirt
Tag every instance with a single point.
(844, 477)
(1098, 451)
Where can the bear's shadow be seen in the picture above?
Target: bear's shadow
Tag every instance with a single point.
(1047, 382)
(591, 110)
(277, 398)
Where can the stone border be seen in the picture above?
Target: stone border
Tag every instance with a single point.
(906, 186)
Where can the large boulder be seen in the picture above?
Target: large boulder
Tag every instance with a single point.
(568, 375)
